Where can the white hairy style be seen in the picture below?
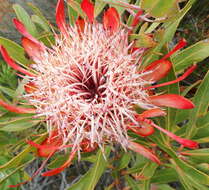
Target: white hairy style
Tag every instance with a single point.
(87, 86)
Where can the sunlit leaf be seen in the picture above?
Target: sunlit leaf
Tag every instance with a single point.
(191, 55)
(23, 16)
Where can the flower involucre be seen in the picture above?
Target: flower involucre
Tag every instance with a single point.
(88, 83)
(87, 86)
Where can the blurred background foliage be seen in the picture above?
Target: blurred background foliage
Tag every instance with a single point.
(194, 27)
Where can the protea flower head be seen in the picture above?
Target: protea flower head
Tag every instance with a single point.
(88, 83)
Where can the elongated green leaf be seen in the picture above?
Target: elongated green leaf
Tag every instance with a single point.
(147, 174)
(99, 6)
(90, 179)
(7, 177)
(201, 101)
(171, 89)
(124, 161)
(7, 91)
(72, 14)
(190, 182)
(76, 6)
(23, 16)
(191, 55)
(40, 15)
(47, 38)
(19, 125)
(131, 183)
(202, 134)
(15, 51)
(203, 121)
(160, 177)
(36, 19)
(16, 160)
(200, 154)
(167, 34)
(199, 176)
(158, 8)
(164, 187)
(190, 170)
(6, 139)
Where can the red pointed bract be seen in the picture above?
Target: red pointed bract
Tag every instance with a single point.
(186, 74)
(144, 130)
(16, 109)
(185, 142)
(171, 100)
(162, 66)
(80, 23)
(158, 70)
(12, 64)
(152, 113)
(60, 16)
(180, 45)
(21, 28)
(30, 87)
(88, 8)
(143, 151)
(136, 18)
(61, 168)
(50, 145)
(111, 20)
(32, 49)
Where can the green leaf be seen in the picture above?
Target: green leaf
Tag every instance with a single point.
(76, 6)
(147, 174)
(188, 180)
(36, 19)
(40, 15)
(7, 91)
(199, 154)
(124, 161)
(164, 187)
(57, 162)
(6, 139)
(99, 6)
(19, 125)
(203, 121)
(202, 134)
(171, 89)
(160, 176)
(158, 8)
(15, 51)
(201, 101)
(90, 179)
(9, 177)
(143, 40)
(191, 55)
(72, 15)
(23, 16)
(167, 34)
(47, 38)
(194, 173)
(131, 183)
(17, 160)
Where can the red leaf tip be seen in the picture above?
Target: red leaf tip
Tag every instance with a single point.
(88, 8)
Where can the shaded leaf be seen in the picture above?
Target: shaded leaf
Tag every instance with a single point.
(90, 179)
(201, 101)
